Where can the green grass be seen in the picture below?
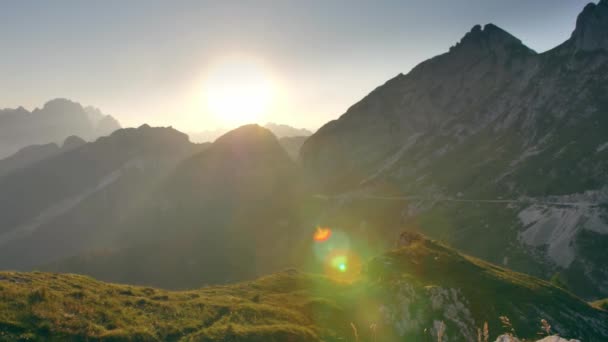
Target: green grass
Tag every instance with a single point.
(72, 307)
(396, 293)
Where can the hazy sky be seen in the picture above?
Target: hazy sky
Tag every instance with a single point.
(146, 61)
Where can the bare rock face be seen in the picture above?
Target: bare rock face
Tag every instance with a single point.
(496, 121)
(592, 28)
(446, 94)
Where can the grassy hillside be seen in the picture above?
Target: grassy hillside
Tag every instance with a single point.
(72, 307)
(402, 295)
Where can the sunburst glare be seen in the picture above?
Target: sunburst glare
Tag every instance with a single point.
(238, 92)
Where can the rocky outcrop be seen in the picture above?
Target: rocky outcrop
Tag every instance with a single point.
(591, 28)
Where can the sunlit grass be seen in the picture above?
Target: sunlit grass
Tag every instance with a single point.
(295, 306)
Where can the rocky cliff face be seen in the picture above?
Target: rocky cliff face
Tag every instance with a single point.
(591, 27)
(490, 143)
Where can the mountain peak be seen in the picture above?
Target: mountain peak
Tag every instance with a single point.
(246, 135)
(591, 31)
(62, 105)
(72, 142)
(490, 37)
(248, 142)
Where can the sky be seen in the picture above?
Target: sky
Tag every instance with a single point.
(153, 61)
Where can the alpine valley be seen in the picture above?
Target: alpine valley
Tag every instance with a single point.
(466, 200)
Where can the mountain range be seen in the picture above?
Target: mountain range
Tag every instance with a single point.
(491, 149)
(289, 137)
(53, 123)
(221, 215)
(75, 200)
(279, 130)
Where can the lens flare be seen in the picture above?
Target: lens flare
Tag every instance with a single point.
(327, 240)
(321, 234)
(339, 262)
(343, 265)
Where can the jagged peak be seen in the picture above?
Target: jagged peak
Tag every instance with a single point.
(591, 32)
(490, 37)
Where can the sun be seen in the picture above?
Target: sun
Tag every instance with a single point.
(238, 92)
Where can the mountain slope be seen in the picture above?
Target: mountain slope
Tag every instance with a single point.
(286, 131)
(54, 122)
(75, 200)
(292, 145)
(233, 206)
(32, 154)
(404, 295)
(279, 130)
(495, 148)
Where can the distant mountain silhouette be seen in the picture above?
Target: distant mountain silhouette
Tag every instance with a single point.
(224, 214)
(292, 145)
(285, 131)
(207, 136)
(35, 153)
(76, 196)
(56, 120)
(279, 130)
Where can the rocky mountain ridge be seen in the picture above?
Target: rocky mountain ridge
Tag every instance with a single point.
(72, 201)
(490, 120)
(223, 214)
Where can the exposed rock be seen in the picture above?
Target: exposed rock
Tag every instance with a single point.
(591, 31)
(506, 127)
